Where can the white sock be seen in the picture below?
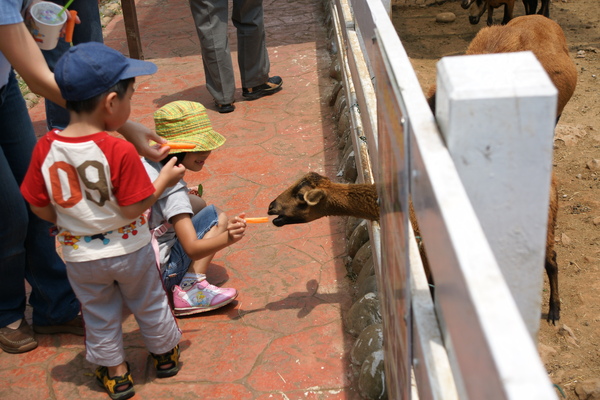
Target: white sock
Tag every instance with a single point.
(15, 324)
(189, 279)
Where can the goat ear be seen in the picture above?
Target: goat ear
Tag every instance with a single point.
(312, 197)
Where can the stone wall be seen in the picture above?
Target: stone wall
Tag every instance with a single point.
(363, 319)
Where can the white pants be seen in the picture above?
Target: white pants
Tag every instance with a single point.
(103, 286)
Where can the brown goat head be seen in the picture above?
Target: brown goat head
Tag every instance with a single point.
(299, 203)
(315, 196)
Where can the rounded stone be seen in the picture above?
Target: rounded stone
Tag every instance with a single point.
(445, 17)
(371, 381)
(335, 70)
(349, 172)
(367, 270)
(344, 122)
(340, 106)
(359, 237)
(363, 313)
(360, 258)
(366, 285)
(369, 341)
(351, 225)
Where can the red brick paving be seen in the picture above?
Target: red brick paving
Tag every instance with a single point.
(283, 338)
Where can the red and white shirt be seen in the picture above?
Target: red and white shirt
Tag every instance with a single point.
(87, 179)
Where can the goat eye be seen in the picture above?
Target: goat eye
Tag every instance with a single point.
(300, 197)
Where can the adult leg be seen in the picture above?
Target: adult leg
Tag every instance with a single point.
(253, 58)
(211, 18)
(16, 143)
(33, 254)
(90, 30)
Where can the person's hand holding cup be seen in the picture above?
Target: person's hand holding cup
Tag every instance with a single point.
(46, 24)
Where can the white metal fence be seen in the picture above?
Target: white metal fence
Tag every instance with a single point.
(471, 342)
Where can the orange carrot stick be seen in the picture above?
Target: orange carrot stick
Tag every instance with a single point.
(179, 146)
(70, 27)
(258, 220)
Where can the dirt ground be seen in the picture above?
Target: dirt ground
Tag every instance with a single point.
(570, 350)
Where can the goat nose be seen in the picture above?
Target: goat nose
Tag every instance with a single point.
(274, 208)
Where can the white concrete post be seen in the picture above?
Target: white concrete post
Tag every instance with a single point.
(497, 114)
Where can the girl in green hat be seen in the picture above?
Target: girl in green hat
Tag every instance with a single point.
(187, 232)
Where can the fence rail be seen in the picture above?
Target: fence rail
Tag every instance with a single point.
(471, 343)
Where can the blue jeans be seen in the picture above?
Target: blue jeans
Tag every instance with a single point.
(179, 262)
(27, 251)
(90, 30)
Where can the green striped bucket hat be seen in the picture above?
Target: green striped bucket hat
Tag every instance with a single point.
(187, 122)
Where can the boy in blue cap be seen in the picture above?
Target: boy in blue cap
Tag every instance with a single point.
(94, 187)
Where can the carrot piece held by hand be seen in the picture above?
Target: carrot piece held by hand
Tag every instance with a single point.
(258, 220)
(70, 27)
(179, 146)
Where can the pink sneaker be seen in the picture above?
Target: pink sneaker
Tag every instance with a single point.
(200, 298)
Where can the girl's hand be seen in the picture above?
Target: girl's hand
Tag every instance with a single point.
(172, 173)
(236, 228)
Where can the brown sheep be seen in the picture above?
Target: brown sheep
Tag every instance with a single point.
(542, 36)
(478, 7)
(531, 5)
(547, 41)
(535, 33)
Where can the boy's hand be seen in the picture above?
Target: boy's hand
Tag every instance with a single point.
(172, 173)
(236, 228)
(140, 136)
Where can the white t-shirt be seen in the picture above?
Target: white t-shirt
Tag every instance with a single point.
(173, 201)
(87, 180)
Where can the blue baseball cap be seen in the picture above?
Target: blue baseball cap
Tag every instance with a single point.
(90, 69)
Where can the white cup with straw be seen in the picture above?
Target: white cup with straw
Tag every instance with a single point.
(46, 23)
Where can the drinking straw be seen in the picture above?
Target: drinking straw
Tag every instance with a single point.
(65, 8)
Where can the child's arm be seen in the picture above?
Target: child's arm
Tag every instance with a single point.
(169, 175)
(199, 248)
(47, 213)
